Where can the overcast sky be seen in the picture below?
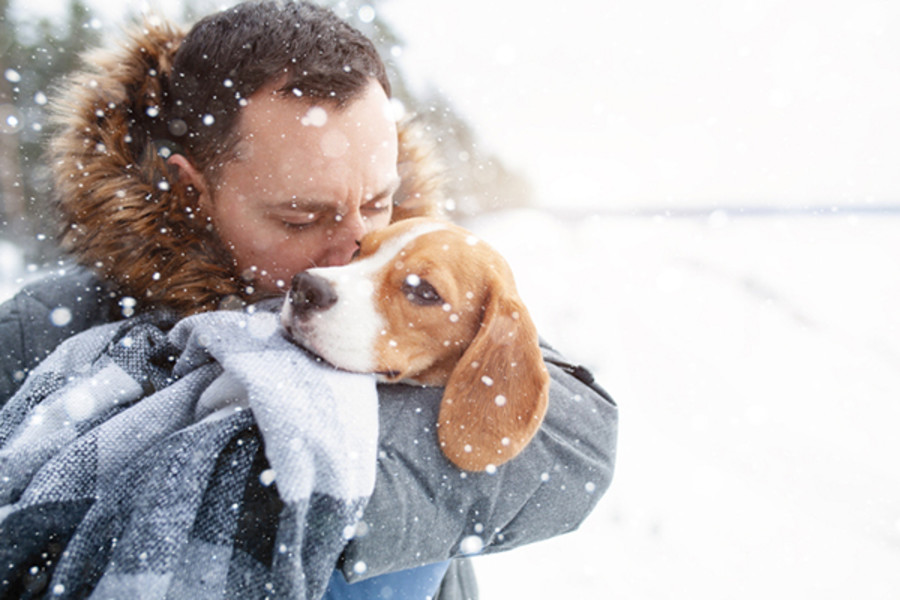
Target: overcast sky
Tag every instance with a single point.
(612, 104)
(656, 102)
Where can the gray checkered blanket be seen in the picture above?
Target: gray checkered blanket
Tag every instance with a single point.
(208, 458)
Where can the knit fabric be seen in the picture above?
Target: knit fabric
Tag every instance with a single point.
(209, 459)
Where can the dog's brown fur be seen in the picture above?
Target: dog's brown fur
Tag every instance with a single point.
(122, 211)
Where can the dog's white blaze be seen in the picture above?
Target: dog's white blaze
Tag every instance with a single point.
(346, 334)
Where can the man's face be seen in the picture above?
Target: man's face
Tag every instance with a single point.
(307, 182)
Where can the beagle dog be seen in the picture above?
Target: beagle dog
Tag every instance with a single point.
(426, 302)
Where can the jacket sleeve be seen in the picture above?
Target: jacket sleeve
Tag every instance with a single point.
(425, 510)
(43, 314)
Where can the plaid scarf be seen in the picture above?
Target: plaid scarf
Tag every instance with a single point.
(208, 458)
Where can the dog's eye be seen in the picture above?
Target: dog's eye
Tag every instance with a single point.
(418, 291)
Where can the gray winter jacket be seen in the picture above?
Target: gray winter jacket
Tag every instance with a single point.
(422, 507)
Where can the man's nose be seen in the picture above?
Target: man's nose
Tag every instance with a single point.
(347, 233)
(355, 225)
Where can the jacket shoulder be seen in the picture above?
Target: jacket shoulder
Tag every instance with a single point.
(548, 490)
(45, 313)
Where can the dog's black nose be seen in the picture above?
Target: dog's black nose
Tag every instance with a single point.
(310, 293)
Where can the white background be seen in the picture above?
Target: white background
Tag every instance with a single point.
(650, 103)
(657, 103)
(755, 360)
(755, 364)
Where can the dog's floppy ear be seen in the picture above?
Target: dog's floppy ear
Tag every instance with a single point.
(497, 394)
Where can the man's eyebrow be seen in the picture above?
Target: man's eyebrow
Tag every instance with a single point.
(312, 205)
(309, 205)
(389, 190)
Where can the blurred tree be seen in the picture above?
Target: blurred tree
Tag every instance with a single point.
(13, 204)
(477, 181)
(32, 57)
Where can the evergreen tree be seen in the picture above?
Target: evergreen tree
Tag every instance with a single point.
(11, 194)
(34, 57)
(477, 181)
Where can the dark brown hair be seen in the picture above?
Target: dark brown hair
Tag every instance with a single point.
(226, 57)
(123, 210)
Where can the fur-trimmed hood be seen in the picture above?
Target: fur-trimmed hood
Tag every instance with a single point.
(124, 214)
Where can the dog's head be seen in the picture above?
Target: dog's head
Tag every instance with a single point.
(427, 302)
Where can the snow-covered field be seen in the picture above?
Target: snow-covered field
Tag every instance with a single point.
(755, 363)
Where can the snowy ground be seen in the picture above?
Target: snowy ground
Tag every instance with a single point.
(755, 363)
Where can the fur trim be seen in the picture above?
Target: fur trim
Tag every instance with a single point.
(421, 175)
(124, 215)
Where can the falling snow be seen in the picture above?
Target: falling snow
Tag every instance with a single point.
(754, 362)
(472, 544)
(267, 477)
(60, 316)
(128, 305)
(366, 13)
(315, 117)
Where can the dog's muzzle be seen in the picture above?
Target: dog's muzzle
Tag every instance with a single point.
(310, 294)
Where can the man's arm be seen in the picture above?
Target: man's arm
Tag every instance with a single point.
(425, 510)
(38, 318)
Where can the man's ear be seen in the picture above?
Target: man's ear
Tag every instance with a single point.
(189, 174)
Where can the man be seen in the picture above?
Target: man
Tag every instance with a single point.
(201, 172)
